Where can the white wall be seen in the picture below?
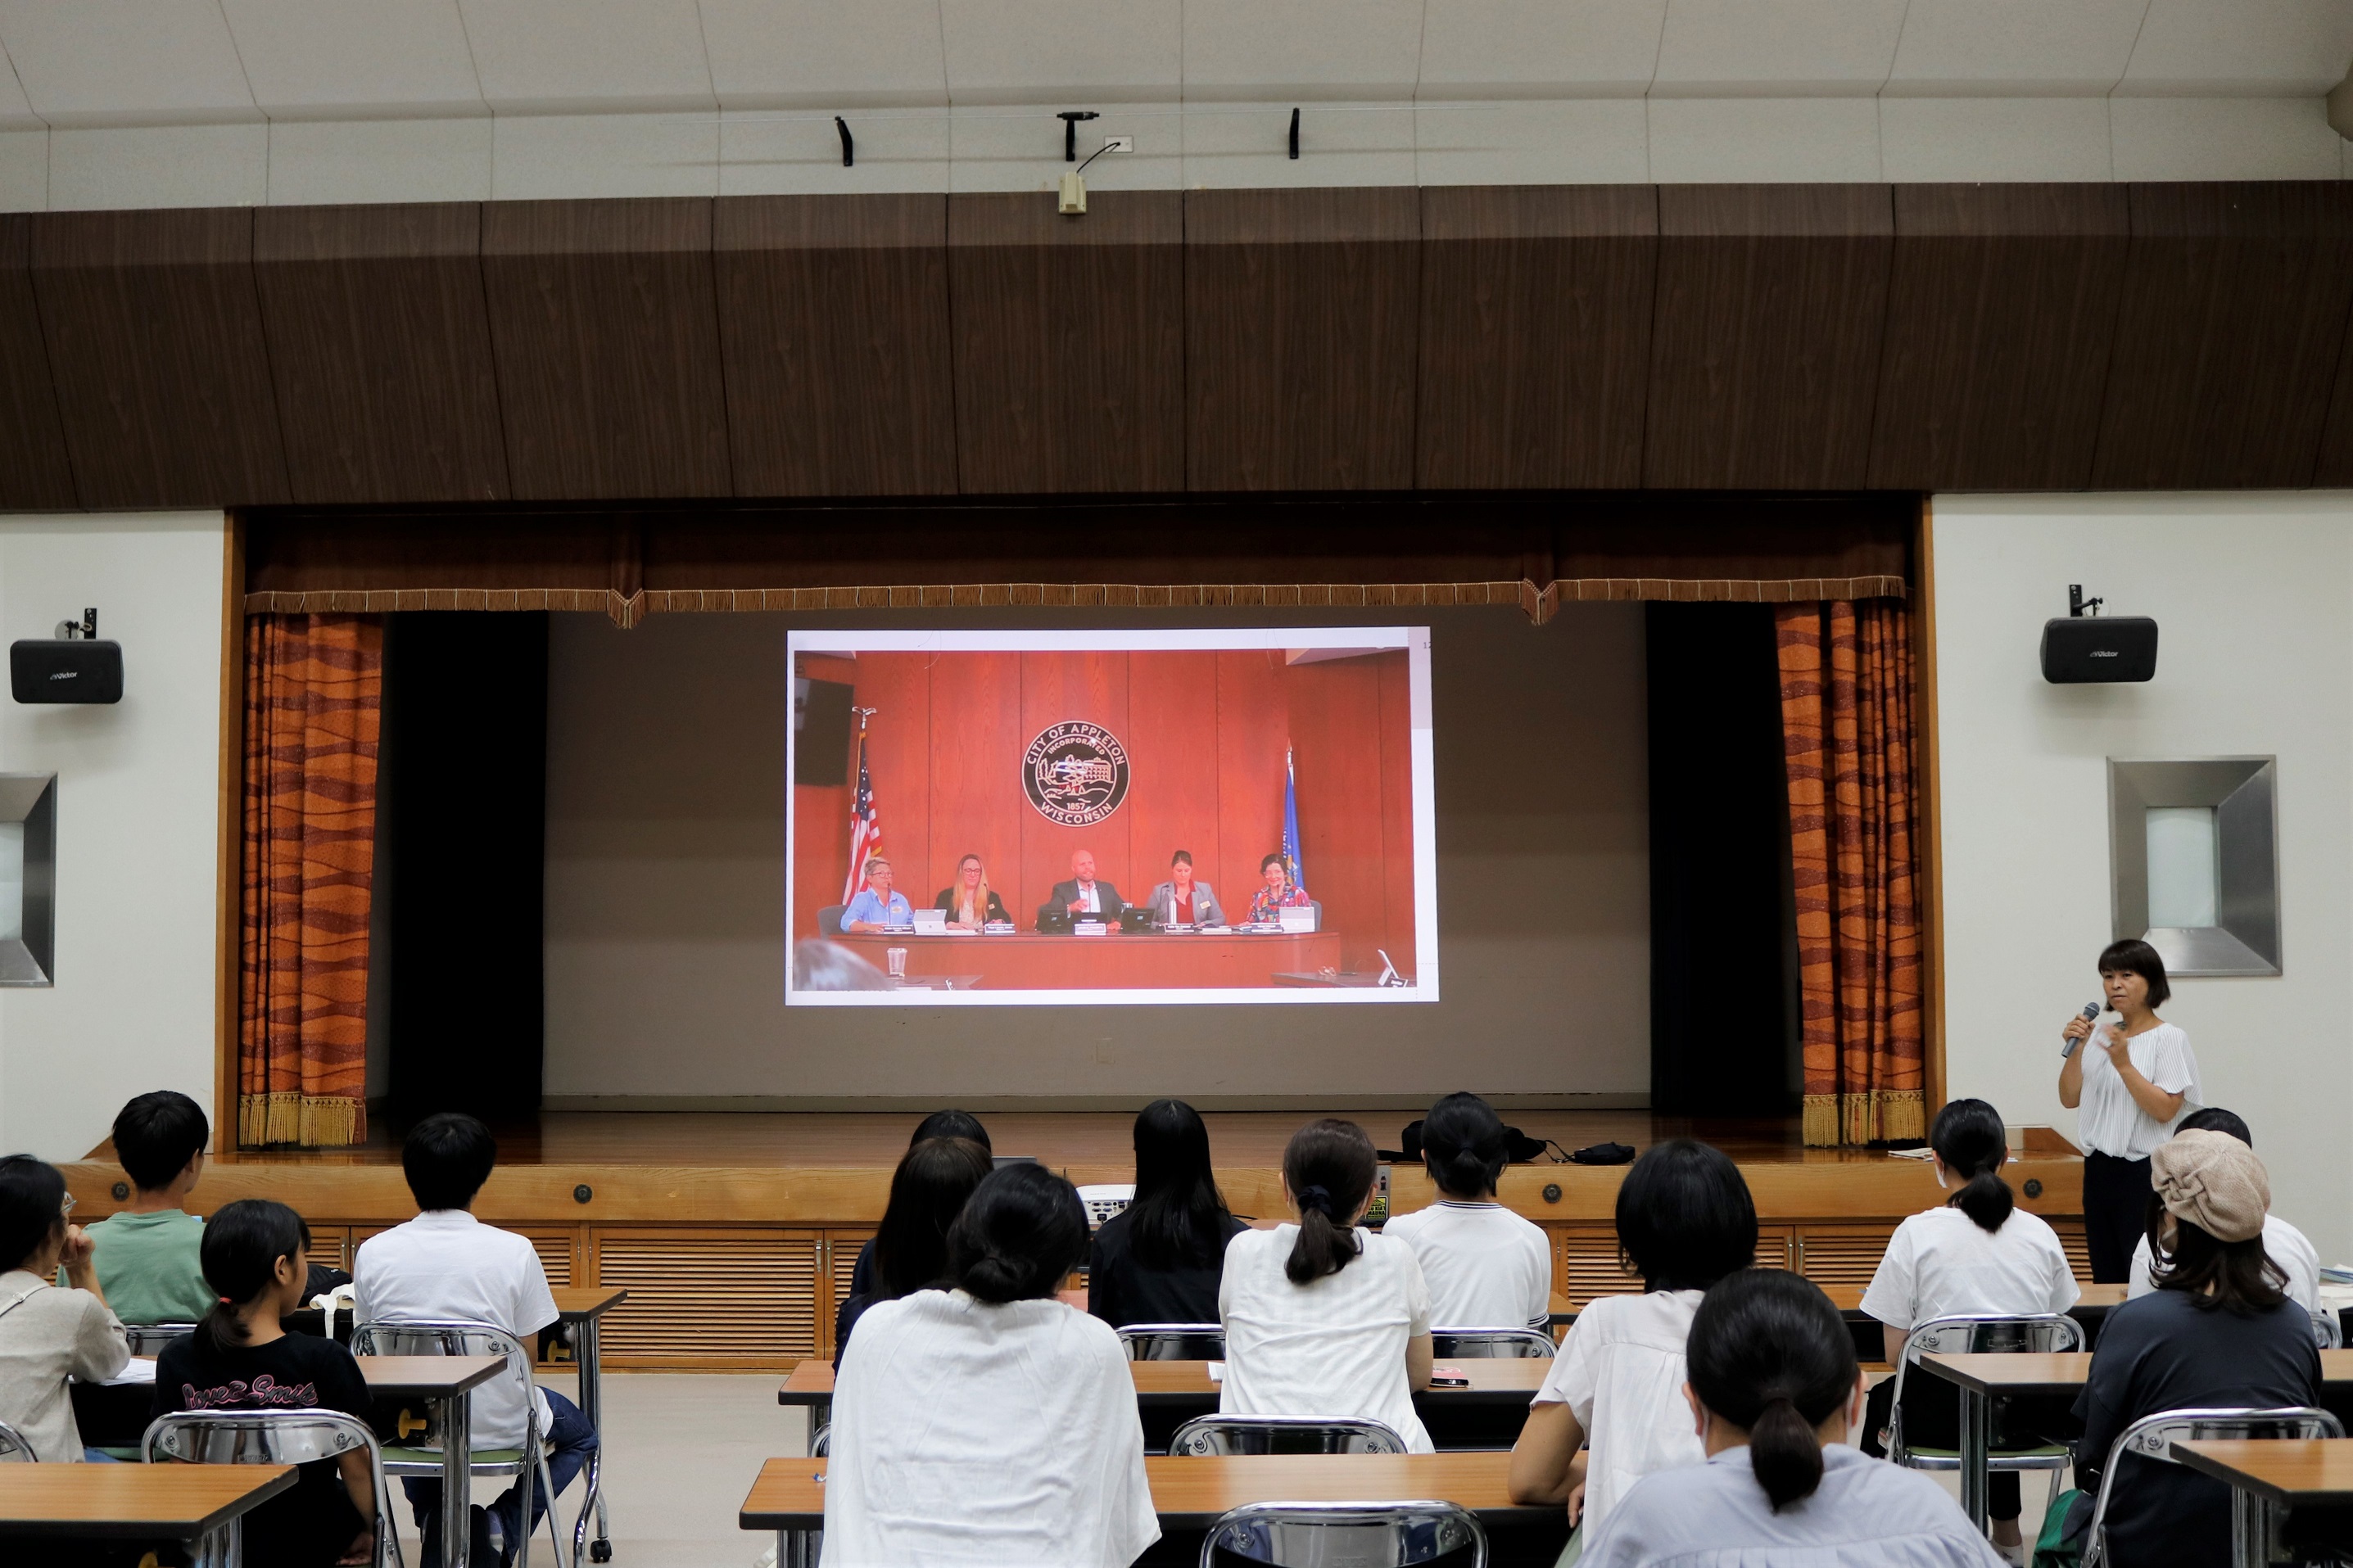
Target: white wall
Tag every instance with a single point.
(132, 1007)
(2253, 596)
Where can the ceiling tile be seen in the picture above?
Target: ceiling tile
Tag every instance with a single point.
(557, 57)
(2227, 47)
(354, 58)
(1244, 49)
(1954, 48)
(814, 54)
(1540, 48)
(1062, 52)
(1777, 48)
(126, 62)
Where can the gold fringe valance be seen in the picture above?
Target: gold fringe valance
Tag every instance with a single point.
(1877, 1116)
(311, 1121)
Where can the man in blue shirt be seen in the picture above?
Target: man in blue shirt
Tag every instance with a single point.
(876, 908)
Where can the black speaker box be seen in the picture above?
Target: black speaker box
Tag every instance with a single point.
(2078, 650)
(820, 732)
(48, 669)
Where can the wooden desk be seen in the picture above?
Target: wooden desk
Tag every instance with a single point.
(1118, 961)
(1984, 1378)
(203, 1506)
(2267, 1480)
(581, 1309)
(1190, 1494)
(446, 1382)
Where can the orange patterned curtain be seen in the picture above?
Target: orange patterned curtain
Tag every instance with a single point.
(1846, 721)
(313, 700)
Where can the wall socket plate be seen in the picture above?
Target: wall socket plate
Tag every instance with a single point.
(1118, 143)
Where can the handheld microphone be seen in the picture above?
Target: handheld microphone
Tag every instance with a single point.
(2067, 1047)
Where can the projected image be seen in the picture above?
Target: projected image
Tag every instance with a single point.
(992, 818)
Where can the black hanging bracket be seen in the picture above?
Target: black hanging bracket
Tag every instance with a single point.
(2079, 605)
(1295, 135)
(1069, 119)
(848, 148)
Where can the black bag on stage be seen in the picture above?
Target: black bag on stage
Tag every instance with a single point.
(1518, 1145)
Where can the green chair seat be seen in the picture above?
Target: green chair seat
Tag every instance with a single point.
(129, 1456)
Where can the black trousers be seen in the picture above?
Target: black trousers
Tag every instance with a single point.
(1932, 1420)
(2115, 1213)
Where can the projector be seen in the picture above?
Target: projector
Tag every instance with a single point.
(2080, 648)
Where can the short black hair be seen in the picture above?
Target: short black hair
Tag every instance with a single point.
(1685, 1218)
(32, 1206)
(2214, 1119)
(1277, 859)
(157, 1135)
(951, 1124)
(2134, 956)
(447, 1158)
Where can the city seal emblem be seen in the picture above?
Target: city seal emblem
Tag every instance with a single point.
(1075, 773)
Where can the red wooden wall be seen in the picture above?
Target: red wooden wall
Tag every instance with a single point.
(1205, 733)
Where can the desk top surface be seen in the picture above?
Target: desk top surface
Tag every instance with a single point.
(178, 1502)
(1999, 1373)
(428, 1376)
(791, 1493)
(575, 1302)
(2300, 1473)
(1491, 1377)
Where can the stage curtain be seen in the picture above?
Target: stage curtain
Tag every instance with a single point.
(314, 703)
(1847, 726)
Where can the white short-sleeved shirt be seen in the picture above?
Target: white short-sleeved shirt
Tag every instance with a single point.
(2108, 1121)
(1486, 1267)
(1333, 1346)
(2285, 1246)
(445, 1264)
(1620, 1373)
(971, 1432)
(1942, 1264)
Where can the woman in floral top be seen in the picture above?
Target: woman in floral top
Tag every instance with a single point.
(1280, 892)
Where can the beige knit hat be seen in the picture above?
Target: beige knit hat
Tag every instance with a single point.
(2214, 1181)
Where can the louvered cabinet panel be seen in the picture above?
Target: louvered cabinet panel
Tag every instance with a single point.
(1777, 1247)
(332, 1246)
(841, 1249)
(1586, 1264)
(1841, 1258)
(556, 1248)
(2079, 1249)
(718, 1299)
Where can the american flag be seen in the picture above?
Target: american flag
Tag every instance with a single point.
(865, 826)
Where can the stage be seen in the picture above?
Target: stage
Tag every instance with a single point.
(733, 1232)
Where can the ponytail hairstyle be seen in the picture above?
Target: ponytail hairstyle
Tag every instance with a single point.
(1463, 1146)
(934, 1180)
(1020, 1234)
(1769, 1355)
(239, 1256)
(32, 1208)
(1969, 1138)
(1330, 1165)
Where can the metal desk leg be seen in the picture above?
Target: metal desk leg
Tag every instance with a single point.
(457, 1481)
(588, 1353)
(798, 1548)
(220, 1547)
(1975, 1420)
(2254, 1524)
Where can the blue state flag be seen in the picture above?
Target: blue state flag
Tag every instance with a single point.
(1291, 822)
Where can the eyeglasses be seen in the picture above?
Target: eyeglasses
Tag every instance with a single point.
(65, 1207)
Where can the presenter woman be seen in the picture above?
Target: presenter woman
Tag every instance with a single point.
(1182, 900)
(970, 900)
(1280, 892)
(2131, 1079)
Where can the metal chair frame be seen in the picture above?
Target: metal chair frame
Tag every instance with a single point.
(1243, 1532)
(2153, 1437)
(1155, 1342)
(148, 1339)
(2328, 1331)
(1511, 1344)
(453, 1336)
(1207, 1436)
(14, 1447)
(2062, 1333)
(276, 1437)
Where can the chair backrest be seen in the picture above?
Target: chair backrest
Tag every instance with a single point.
(14, 1447)
(1207, 1436)
(451, 1336)
(1370, 1534)
(271, 1438)
(829, 921)
(2153, 1437)
(1174, 1342)
(148, 1339)
(2041, 1334)
(1518, 1344)
(820, 1445)
(2328, 1331)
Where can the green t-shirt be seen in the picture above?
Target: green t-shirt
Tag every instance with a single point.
(148, 1266)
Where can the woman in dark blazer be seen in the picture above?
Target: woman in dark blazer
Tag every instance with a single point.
(970, 900)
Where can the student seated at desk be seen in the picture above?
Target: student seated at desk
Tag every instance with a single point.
(1976, 1255)
(938, 1124)
(1774, 1392)
(257, 1257)
(2219, 1330)
(1159, 1259)
(49, 1335)
(2282, 1243)
(989, 1422)
(446, 1264)
(1685, 1220)
(1485, 1265)
(911, 1246)
(1323, 1317)
(147, 1253)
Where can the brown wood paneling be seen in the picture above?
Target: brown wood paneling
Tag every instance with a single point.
(156, 345)
(34, 470)
(2229, 335)
(833, 317)
(606, 323)
(2334, 468)
(1765, 351)
(1069, 339)
(381, 347)
(1536, 335)
(1301, 331)
(2002, 309)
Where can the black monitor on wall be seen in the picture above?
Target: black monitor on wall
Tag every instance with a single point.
(820, 732)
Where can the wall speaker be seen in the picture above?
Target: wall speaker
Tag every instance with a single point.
(53, 670)
(2081, 648)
